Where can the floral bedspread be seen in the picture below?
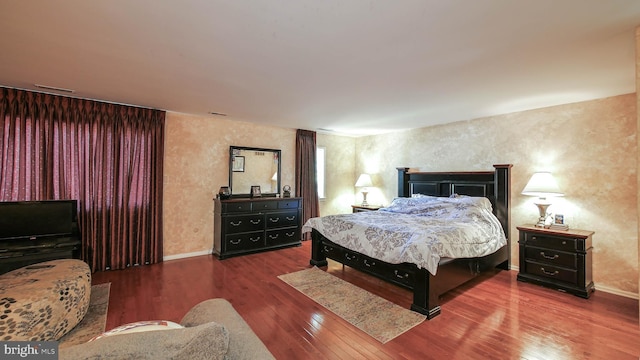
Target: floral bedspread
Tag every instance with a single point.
(418, 230)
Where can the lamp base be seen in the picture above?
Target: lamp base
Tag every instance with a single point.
(542, 209)
(364, 198)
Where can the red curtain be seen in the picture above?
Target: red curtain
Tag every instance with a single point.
(107, 156)
(306, 177)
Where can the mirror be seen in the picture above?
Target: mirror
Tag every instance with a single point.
(250, 167)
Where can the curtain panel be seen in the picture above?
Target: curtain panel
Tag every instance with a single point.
(106, 156)
(306, 175)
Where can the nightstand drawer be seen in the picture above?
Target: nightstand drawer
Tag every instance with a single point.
(551, 242)
(552, 272)
(552, 257)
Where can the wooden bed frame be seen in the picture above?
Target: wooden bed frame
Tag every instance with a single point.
(451, 273)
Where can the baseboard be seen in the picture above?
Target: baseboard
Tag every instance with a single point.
(187, 255)
(618, 292)
(606, 289)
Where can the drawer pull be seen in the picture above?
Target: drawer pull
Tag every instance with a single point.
(235, 242)
(274, 220)
(369, 264)
(291, 218)
(399, 276)
(548, 257)
(349, 257)
(273, 237)
(552, 273)
(255, 222)
(327, 249)
(290, 234)
(255, 240)
(236, 224)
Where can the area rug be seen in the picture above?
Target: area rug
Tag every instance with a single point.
(94, 321)
(377, 317)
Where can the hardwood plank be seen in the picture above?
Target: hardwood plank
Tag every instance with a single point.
(495, 317)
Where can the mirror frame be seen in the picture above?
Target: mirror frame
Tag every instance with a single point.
(232, 148)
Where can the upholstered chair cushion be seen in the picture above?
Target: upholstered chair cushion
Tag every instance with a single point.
(44, 301)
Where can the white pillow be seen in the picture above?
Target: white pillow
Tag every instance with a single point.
(140, 326)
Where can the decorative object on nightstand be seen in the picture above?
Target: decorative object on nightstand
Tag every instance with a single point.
(557, 259)
(364, 181)
(558, 223)
(542, 185)
(363, 208)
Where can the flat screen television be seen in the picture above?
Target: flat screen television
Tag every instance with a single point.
(34, 219)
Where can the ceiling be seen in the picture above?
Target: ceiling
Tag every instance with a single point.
(350, 66)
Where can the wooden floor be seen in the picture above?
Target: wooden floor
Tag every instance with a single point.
(496, 318)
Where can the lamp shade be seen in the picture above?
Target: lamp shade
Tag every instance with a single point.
(542, 184)
(364, 180)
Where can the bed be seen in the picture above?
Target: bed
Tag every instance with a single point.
(449, 272)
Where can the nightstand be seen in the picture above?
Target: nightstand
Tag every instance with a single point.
(361, 208)
(557, 259)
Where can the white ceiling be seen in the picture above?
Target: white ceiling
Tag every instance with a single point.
(351, 66)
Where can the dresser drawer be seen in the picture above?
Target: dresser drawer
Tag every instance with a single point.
(551, 242)
(264, 205)
(289, 204)
(552, 257)
(282, 219)
(243, 223)
(234, 207)
(283, 236)
(245, 241)
(552, 272)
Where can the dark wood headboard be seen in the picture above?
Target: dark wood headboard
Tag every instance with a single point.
(494, 185)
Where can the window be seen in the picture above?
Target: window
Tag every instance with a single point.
(320, 157)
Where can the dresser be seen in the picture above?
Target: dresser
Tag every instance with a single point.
(557, 259)
(243, 226)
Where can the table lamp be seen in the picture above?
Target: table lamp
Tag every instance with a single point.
(542, 185)
(364, 180)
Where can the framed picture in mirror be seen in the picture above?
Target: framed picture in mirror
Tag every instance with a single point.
(255, 191)
(238, 163)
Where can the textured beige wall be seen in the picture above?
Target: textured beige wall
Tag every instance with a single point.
(196, 164)
(340, 175)
(590, 147)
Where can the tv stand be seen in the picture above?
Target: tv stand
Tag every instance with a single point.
(18, 253)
